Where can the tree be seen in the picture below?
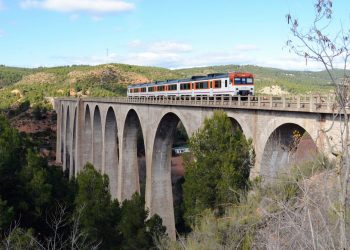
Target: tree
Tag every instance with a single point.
(100, 215)
(37, 192)
(331, 48)
(218, 167)
(114, 226)
(10, 162)
(11, 159)
(137, 231)
(6, 215)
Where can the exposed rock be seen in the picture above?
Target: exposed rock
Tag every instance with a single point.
(273, 90)
(39, 78)
(16, 92)
(106, 73)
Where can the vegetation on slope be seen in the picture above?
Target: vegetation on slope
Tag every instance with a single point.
(18, 84)
(292, 212)
(11, 75)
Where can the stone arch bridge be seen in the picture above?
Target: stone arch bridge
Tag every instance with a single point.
(105, 131)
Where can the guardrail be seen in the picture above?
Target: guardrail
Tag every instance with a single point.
(310, 103)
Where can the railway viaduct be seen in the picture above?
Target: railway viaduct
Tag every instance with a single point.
(105, 131)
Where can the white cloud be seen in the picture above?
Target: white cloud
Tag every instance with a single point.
(289, 62)
(168, 60)
(95, 6)
(169, 46)
(173, 57)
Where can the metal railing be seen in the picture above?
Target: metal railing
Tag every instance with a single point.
(301, 103)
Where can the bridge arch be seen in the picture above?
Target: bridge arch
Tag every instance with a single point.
(111, 151)
(239, 120)
(235, 124)
(132, 180)
(288, 143)
(162, 198)
(87, 138)
(97, 146)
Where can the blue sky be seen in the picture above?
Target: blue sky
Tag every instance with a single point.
(165, 33)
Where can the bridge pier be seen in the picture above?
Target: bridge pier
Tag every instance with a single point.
(129, 167)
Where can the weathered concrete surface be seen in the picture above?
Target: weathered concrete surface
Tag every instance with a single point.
(105, 132)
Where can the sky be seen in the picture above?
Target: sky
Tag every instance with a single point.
(165, 33)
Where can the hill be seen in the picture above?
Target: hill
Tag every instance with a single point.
(20, 84)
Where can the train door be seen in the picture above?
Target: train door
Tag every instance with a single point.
(226, 84)
(211, 83)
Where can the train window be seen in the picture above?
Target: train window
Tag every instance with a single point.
(160, 88)
(218, 84)
(185, 86)
(249, 80)
(172, 87)
(143, 89)
(238, 80)
(150, 89)
(201, 85)
(225, 83)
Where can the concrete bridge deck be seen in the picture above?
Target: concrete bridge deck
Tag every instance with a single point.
(104, 131)
(301, 103)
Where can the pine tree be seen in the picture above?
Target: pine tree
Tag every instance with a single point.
(100, 215)
(218, 167)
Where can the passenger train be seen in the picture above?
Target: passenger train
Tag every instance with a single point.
(229, 84)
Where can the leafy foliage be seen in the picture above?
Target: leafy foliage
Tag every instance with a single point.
(100, 214)
(126, 226)
(137, 231)
(40, 204)
(11, 75)
(218, 169)
(242, 224)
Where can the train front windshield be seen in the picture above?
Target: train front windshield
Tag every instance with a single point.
(244, 80)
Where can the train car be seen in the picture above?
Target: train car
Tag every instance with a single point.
(229, 84)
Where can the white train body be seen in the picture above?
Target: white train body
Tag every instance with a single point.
(230, 84)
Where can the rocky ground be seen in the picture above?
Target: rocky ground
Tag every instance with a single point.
(40, 130)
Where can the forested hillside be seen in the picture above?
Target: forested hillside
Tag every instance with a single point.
(18, 85)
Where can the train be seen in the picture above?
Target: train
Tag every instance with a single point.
(217, 84)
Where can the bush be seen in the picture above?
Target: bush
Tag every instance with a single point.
(39, 111)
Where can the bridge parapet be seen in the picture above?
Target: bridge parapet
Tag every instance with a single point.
(301, 103)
